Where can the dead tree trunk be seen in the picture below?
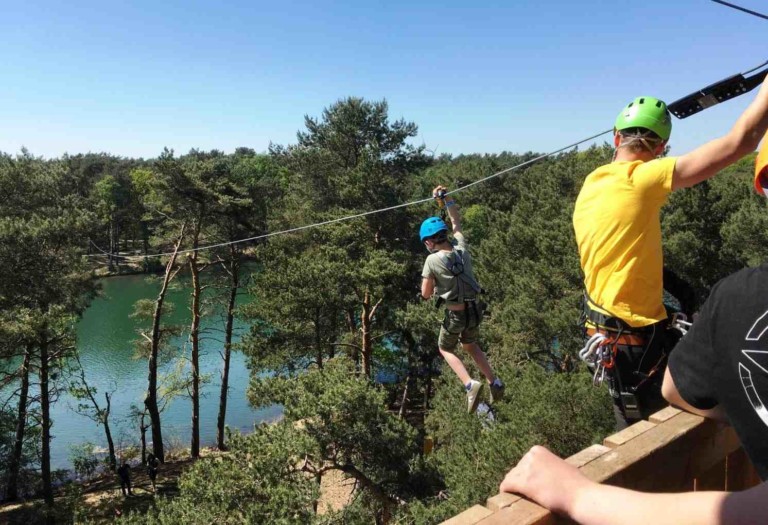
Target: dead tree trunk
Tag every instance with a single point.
(150, 401)
(108, 432)
(366, 320)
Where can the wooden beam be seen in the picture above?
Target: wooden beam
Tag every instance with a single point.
(587, 455)
(501, 501)
(523, 512)
(631, 432)
(664, 414)
(471, 516)
(636, 463)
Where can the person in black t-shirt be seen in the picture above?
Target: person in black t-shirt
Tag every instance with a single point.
(124, 474)
(153, 464)
(720, 369)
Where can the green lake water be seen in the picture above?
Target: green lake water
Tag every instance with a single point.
(106, 336)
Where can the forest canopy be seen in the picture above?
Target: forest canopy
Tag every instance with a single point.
(335, 336)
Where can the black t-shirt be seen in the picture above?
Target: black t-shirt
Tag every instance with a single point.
(723, 360)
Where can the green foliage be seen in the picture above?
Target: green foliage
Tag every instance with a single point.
(715, 228)
(333, 421)
(84, 459)
(257, 481)
(342, 283)
(559, 410)
(330, 299)
(44, 286)
(347, 422)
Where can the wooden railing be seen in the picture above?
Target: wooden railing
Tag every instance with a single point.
(673, 451)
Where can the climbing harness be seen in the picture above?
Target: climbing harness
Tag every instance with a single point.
(607, 336)
(456, 265)
(680, 323)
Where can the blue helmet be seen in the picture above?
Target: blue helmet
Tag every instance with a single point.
(432, 226)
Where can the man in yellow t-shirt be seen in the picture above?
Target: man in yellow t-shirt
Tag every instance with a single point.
(618, 230)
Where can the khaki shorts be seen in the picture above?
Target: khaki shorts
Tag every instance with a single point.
(458, 326)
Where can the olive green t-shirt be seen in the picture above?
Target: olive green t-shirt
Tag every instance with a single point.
(452, 288)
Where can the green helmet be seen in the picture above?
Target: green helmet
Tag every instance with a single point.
(648, 113)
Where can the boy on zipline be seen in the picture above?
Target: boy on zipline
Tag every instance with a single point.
(618, 230)
(448, 274)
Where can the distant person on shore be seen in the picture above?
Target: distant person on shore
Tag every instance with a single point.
(718, 370)
(448, 274)
(617, 224)
(153, 464)
(124, 474)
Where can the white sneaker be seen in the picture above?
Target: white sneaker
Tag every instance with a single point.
(473, 395)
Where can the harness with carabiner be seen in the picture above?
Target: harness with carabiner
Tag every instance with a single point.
(455, 264)
(608, 337)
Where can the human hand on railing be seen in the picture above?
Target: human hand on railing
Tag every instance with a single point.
(546, 479)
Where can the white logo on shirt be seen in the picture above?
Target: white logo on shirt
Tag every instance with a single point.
(760, 359)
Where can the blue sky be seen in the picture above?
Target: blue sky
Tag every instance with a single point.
(131, 78)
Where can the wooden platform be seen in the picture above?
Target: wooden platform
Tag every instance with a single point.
(671, 452)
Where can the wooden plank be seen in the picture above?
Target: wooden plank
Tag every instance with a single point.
(500, 501)
(740, 474)
(713, 479)
(664, 414)
(619, 438)
(471, 516)
(581, 458)
(638, 464)
(667, 454)
(710, 449)
(587, 455)
(523, 512)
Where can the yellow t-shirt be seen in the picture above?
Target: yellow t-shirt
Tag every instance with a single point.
(618, 230)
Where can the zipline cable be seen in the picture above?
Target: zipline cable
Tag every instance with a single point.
(531, 161)
(709, 96)
(357, 215)
(743, 9)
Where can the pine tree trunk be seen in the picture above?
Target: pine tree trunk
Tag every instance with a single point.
(234, 286)
(145, 237)
(194, 334)
(150, 401)
(111, 244)
(12, 491)
(45, 405)
(117, 239)
(143, 431)
(318, 342)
